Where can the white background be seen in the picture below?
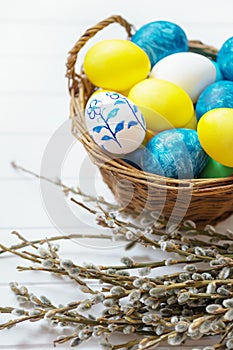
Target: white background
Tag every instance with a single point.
(35, 37)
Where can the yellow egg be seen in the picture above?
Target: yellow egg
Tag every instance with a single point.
(215, 132)
(192, 124)
(116, 64)
(163, 104)
(148, 136)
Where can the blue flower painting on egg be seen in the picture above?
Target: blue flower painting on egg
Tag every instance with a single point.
(175, 153)
(114, 122)
(160, 39)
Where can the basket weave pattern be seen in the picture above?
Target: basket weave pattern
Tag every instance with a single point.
(201, 200)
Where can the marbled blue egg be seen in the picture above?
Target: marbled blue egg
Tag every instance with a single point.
(160, 39)
(216, 95)
(175, 153)
(219, 75)
(134, 158)
(225, 59)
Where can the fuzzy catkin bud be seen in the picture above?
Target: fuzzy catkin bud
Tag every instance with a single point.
(135, 295)
(184, 276)
(85, 305)
(114, 310)
(169, 261)
(18, 312)
(189, 223)
(112, 327)
(228, 303)
(181, 326)
(23, 290)
(44, 253)
(229, 343)
(205, 327)
(45, 300)
(214, 308)
(211, 288)
(155, 292)
(197, 277)
(123, 273)
(148, 285)
(199, 251)
(159, 329)
(190, 268)
(48, 263)
(207, 276)
(129, 330)
(34, 313)
(146, 319)
(117, 290)
(98, 298)
(223, 291)
(174, 319)
(172, 300)
(224, 273)
(138, 282)
(175, 339)
(183, 298)
(67, 264)
(129, 235)
(74, 272)
(210, 229)
(144, 271)
(127, 261)
(229, 315)
(75, 342)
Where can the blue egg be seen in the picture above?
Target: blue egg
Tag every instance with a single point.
(134, 158)
(160, 39)
(175, 153)
(219, 75)
(216, 95)
(225, 59)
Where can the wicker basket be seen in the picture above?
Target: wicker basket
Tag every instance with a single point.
(201, 200)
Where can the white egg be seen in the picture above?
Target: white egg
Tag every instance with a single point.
(191, 71)
(114, 122)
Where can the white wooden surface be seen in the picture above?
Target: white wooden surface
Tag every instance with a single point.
(35, 37)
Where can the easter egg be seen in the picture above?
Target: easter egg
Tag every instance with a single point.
(215, 132)
(219, 75)
(163, 104)
(116, 64)
(160, 39)
(134, 158)
(148, 136)
(175, 153)
(192, 124)
(214, 169)
(191, 71)
(225, 59)
(114, 122)
(217, 95)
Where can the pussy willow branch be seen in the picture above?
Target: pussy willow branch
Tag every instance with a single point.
(142, 238)
(98, 274)
(65, 188)
(173, 307)
(133, 319)
(61, 237)
(111, 206)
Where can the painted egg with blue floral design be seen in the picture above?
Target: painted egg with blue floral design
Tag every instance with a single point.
(114, 122)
